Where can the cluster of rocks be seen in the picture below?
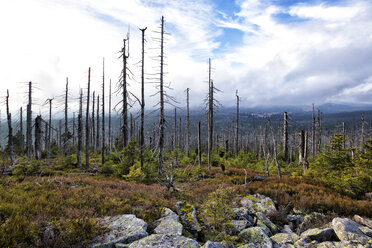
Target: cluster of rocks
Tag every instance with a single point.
(250, 224)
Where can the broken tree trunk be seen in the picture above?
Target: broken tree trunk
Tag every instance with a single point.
(161, 92)
(49, 129)
(142, 132)
(80, 131)
(66, 135)
(103, 115)
(38, 133)
(29, 123)
(199, 145)
(187, 123)
(285, 136)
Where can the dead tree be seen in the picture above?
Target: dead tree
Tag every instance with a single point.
(187, 123)
(285, 136)
(109, 127)
(98, 125)
(343, 135)
(175, 142)
(162, 120)
(93, 138)
(199, 145)
(103, 114)
(66, 136)
(49, 129)
(29, 123)
(275, 151)
(38, 133)
(302, 160)
(73, 130)
(80, 131)
(87, 125)
(10, 131)
(142, 132)
(237, 125)
(125, 55)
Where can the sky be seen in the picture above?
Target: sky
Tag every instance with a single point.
(274, 52)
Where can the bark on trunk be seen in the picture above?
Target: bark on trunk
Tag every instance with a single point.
(87, 125)
(38, 133)
(10, 131)
(80, 131)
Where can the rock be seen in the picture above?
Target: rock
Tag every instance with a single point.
(349, 244)
(320, 235)
(283, 238)
(187, 214)
(363, 221)
(169, 226)
(250, 245)
(167, 214)
(295, 221)
(123, 229)
(264, 227)
(243, 214)
(164, 241)
(327, 244)
(48, 236)
(211, 244)
(287, 245)
(237, 226)
(273, 228)
(256, 236)
(348, 230)
(305, 242)
(258, 203)
(287, 229)
(120, 245)
(308, 220)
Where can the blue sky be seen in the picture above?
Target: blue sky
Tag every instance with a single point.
(277, 52)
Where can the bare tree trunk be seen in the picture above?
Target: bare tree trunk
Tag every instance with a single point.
(175, 130)
(237, 125)
(10, 131)
(29, 124)
(87, 125)
(59, 134)
(80, 131)
(66, 136)
(285, 136)
(210, 117)
(131, 127)
(162, 121)
(275, 152)
(142, 132)
(103, 115)
(22, 141)
(93, 138)
(125, 54)
(98, 125)
(49, 129)
(110, 138)
(187, 122)
(199, 145)
(38, 137)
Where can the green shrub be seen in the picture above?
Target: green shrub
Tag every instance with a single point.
(135, 174)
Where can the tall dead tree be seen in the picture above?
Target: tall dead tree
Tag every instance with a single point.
(93, 138)
(237, 125)
(187, 122)
(38, 133)
(343, 135)
(210, 116)
(66, 135)
(73, 130)
(109, 127)
(285, 136)
(142, 132)
(161, 92)
(87, 125)
(98, 125)
(103, 114)
(29, 123)
(10, 131)
(125, 55)
(199, 145)
(175, 142)
(80, 131)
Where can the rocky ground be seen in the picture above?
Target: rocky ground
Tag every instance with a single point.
(250, 225)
